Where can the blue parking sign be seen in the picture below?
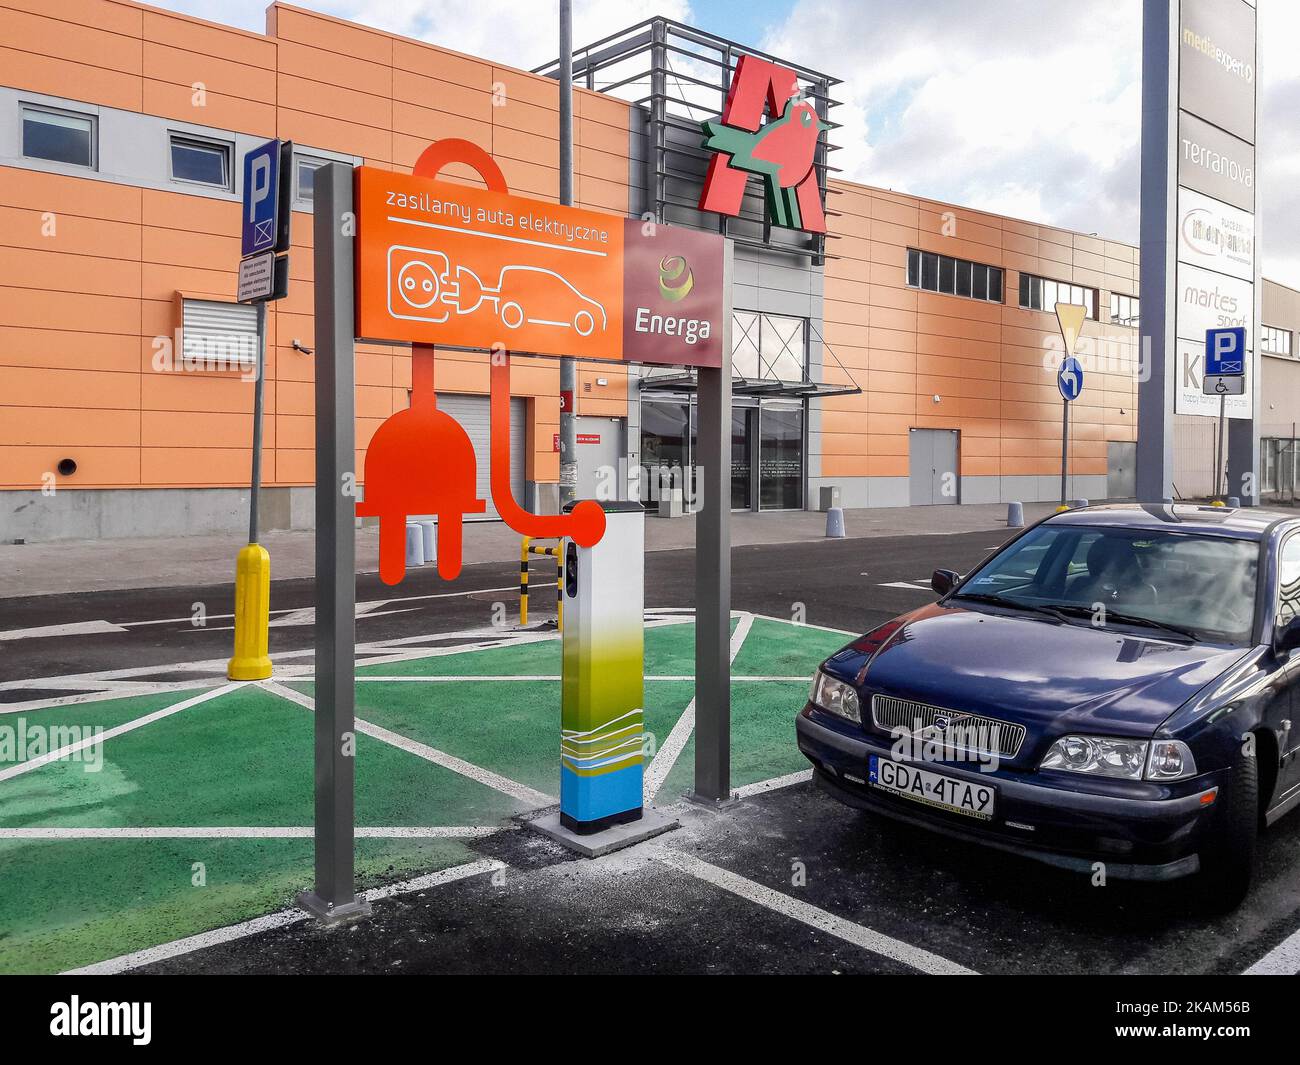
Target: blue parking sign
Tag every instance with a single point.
(1225, 351)
(261, 199)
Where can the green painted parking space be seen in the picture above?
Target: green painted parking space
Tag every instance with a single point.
(54, 721)
(241, 761)
(69, 903)
(785, 649)
(762, 738)
(669, 651)
(509, 727)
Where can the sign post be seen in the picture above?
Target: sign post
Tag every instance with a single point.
(1225, 375)
(1069, 379)
(1199, 240)
(333, 897)
(445, 264)
(263, 276)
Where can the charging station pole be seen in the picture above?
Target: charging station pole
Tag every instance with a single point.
(603, 692)
(334, 896)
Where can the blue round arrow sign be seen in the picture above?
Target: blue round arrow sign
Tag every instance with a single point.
(1069, 379)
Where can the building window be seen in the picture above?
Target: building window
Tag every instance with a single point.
(304, 177)
(1274, 341)
(1124, 310)
(771, 347)
(1042, 294)
(200, 162)
(218, 336)
(59, 136)
(953, 277)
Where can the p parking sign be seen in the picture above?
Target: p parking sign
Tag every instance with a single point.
(264, 172)
(1225, 352)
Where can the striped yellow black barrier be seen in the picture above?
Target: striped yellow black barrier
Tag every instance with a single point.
(526, 548)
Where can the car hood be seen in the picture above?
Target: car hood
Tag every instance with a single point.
(1051, 677)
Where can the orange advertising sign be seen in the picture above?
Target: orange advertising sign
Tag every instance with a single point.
(447, 264)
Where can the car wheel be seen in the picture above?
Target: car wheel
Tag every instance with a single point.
(584, 323)
(1228, 856)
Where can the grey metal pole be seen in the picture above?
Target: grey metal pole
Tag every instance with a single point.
(1065, 444)
(568, 367)
(334, 897)
(1220, 456)
(713, 569)
(259, 389)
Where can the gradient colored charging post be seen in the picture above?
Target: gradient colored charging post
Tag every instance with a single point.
(603, 692)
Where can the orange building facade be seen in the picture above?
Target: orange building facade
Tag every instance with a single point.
(111, 266)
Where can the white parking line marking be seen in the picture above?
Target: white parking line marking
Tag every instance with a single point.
(108, 734)
(814, 917)
(666, 757)
(308, 678)
(76, 628)
(1282, 960)
(806, 625)
(249, 832)
(120, 683)
(188, 945)
(773, 784)
(521, 792)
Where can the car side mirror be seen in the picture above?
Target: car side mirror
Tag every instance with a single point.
(944, 581)
(1287, 638)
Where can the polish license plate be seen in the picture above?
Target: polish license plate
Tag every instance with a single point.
(932, 789)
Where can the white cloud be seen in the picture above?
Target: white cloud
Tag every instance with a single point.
(1026, 108)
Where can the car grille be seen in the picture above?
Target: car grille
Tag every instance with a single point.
(1002, 737)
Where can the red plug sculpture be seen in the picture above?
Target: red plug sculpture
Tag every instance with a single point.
(421, 461)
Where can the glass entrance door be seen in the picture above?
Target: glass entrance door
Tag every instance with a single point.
(780, 458)
(743, 420)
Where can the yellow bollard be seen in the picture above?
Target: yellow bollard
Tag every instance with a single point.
(252, 615)
(523, 582)
(1062, 508)
(1218, 503)
(559, 586)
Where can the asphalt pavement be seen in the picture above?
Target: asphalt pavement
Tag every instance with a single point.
(847, 584)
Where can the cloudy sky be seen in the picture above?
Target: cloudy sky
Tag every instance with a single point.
(1023, 107)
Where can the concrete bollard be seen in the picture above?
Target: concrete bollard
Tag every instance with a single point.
(1075, 504)
(414, 544)
(1015, 515)
(835, 522)
(429, 536)
(1234, 501)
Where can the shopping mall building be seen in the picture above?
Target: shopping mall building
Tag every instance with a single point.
(905, 356)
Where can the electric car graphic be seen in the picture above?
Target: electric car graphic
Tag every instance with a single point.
(421, 288)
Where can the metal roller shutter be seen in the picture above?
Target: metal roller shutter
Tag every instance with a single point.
(472, 413)
(218, 336)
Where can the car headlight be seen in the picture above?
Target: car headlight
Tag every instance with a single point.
(1106, 756)
(835, 697)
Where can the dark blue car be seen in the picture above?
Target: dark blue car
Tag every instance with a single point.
(1112, 691)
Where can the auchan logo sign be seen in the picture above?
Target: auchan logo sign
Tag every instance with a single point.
(458, 266)
(781, 151)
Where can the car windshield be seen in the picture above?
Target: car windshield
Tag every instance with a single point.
(1175, 583)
